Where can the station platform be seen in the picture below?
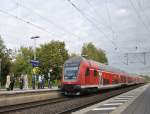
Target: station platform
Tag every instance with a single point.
(29, 90)
(141, 105)
(136, 101)
(17, 96)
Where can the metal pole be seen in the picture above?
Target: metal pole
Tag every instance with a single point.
(126, 55)
(34, 49)
(127, 59)
(0, 71)
(144, 58)
(34, 38)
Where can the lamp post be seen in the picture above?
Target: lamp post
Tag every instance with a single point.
(0, 71)
(34, 38)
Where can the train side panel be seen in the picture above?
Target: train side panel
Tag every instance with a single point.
(85, 75)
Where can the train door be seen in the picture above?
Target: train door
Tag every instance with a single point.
(100, 79)
(87, 76)
(91, 80)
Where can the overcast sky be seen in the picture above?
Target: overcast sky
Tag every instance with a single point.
(116, 26)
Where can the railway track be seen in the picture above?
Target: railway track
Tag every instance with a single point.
(96, 99)
(64, 105)
(24, 106)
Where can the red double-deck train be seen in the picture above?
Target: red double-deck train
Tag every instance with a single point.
(81, 75)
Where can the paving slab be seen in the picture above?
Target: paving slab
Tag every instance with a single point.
(141, 105)
(8, 98)
(118, 104)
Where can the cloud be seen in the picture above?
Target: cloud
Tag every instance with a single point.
(122, 12)
(64, 21)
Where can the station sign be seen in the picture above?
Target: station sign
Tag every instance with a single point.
(35, 63)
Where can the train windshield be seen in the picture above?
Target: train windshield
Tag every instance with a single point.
(70, 72)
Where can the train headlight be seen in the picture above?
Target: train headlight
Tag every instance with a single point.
(77, 87)
(66, 77)
(74, 77)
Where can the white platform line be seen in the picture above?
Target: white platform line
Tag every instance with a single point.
(112, 104)
(126, 97)
(107, 108)
(120, 98)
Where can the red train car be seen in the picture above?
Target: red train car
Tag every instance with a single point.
(81, 75)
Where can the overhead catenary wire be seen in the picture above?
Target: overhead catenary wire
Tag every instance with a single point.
(94, 9)
(110, 26)
(144, 24)
(49, 21)
(144, 14)
(25, 21)
(141, 9)
(92, 23)
(140, 18)
(95, 25)
(138, 15)
(58, 26)
(96, 12)
(109, 19)
(84, 15)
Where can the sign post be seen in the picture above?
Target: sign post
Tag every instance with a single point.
(0, 71)
(35, 63)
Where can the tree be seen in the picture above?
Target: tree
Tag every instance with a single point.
(4, 62)
(146, 77)
(52, 56)
(22, 62)
(89, 51)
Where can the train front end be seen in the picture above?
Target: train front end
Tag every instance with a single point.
(70, 77)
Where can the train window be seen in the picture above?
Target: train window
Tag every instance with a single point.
(115, 82)
(95, 73)
(70, 73)
(87, 72)
(105, 81)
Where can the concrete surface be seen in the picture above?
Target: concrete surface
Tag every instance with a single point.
(25, 96)
(116, 105)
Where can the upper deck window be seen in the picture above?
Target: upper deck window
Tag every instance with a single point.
(96, 73)
(87, 72)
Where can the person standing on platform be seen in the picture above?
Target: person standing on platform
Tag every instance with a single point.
(43, 81)
(49, 81)
(39, 81)
(33, 81)
(26, 81)
(21, 81)
(12, 81)
(8, 82)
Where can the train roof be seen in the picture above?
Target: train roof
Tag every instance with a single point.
(109, 68)
(101, 66)
(77, 59)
